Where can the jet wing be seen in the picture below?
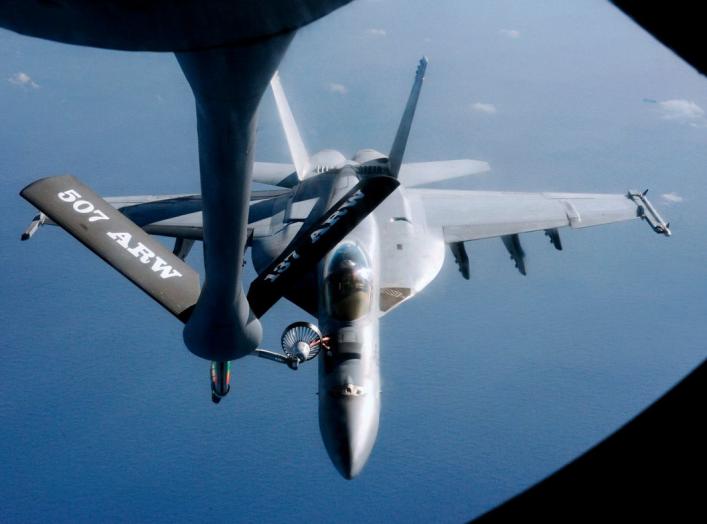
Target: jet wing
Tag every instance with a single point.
(472, 215)
(179, 216)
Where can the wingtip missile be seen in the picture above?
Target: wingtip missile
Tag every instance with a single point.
(663, 229)
(646, 211)
(36, 223)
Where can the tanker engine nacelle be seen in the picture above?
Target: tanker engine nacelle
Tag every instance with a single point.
(301, 341)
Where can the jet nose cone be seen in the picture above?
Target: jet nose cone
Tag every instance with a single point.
(352, 454)
(349, 427)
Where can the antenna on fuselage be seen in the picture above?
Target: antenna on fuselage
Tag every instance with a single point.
(395, 159)
(294, 140)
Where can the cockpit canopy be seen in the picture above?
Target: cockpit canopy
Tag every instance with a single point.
(348, 286)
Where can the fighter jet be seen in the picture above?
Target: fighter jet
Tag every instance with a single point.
(346, 240)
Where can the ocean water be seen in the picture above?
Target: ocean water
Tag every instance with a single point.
(488, 385)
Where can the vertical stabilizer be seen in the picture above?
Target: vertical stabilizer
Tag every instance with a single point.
(401, 137)
(294, 141)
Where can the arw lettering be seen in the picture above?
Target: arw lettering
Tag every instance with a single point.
(145, 255)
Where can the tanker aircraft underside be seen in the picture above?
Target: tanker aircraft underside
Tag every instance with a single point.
(345, 240)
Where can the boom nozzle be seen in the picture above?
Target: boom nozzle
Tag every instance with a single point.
(220, 380)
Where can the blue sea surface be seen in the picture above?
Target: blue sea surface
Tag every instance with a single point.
(488, 385)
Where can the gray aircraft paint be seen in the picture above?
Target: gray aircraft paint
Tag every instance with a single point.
(228, 51)
(349, 370)
(227, 85)
(488, 384)
(404, 242)
(161, 25)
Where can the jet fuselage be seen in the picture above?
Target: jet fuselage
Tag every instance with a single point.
(385, 260)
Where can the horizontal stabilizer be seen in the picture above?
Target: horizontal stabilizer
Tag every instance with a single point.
(271, 173)
(117, 240)
(162, 207)
(316, 240)
(419, 173)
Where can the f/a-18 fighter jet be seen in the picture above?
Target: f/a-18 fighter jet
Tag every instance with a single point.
(345, 240)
